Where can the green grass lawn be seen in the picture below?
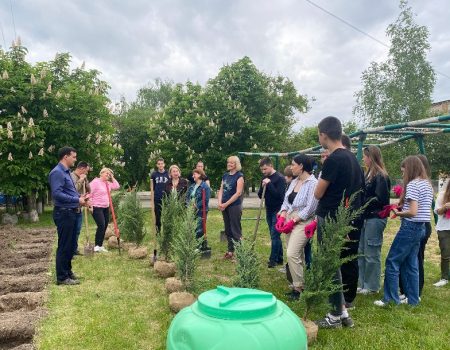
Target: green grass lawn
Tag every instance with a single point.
(121, 304)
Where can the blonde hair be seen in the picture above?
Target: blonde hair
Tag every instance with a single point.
(236, 161)
(105, 170)
(174, 166)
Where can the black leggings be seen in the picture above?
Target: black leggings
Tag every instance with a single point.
(101, 217)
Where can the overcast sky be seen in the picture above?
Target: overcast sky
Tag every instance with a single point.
(133, 42)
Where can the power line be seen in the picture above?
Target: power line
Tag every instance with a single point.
(358, 30)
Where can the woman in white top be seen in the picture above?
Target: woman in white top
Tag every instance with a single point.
(296, 212)
(443, 231)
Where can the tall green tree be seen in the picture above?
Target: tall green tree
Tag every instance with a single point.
(240, 109)
(46, 106)
(133, 124)
(400, 88)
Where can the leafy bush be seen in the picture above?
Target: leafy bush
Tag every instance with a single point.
(131, 223)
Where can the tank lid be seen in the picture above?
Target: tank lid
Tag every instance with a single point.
(236, 303)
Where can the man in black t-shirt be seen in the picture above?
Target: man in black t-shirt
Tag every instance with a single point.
(341, 176)
(159, 178)
(275, 186)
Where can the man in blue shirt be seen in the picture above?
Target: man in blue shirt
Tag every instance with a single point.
(67, 204)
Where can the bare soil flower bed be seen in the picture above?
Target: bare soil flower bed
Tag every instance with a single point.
(24, 264)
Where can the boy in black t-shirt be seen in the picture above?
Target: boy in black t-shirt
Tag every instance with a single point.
(341, 176)
(159, 178)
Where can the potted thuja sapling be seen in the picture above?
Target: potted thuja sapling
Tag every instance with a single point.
(186, 254)
(131, 225)
(173, 208)
(319, 278)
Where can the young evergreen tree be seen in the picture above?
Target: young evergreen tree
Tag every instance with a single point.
(247, 266)
(185, 248)
(173, 209)
(131, 223)
(319, 279)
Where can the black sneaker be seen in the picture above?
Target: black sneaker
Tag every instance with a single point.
(347, 322)
(73, 276)
(68, 282)
(271, 265)
(329, 323)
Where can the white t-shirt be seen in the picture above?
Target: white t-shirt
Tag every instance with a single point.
(420, 191)
(443, 223)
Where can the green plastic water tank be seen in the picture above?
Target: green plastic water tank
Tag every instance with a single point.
(236, 319)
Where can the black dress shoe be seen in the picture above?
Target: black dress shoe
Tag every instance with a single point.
(68, 282)
(271, 265)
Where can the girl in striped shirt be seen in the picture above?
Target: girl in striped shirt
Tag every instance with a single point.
(414, 211)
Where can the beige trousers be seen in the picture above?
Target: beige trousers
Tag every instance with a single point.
(295, 251)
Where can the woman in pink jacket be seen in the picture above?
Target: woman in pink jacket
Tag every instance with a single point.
(99, 201)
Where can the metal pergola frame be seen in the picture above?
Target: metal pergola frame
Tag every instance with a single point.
(390, 134)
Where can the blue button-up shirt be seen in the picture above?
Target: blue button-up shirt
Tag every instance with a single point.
(63, 189)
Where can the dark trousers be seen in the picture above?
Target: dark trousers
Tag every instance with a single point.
(350, 270)
(276, 251)
(79, 224)
(444, 245)
(336, 299)
(158, 209)
(232, 221)
(65, 221)
(101, 217)
(421, 258)
(308, 254)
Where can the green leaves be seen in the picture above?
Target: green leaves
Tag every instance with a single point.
(67, 107)
(399, 89)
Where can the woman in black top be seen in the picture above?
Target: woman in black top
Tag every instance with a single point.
(176, 182)
(377, 191)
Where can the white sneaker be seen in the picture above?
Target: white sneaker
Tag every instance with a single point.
(441, 283)
(405, 299)
(359, 289)
(97, 248)
(402, 297)
(380, 303)
(103, 250)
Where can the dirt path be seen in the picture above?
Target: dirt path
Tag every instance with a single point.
(24, 265)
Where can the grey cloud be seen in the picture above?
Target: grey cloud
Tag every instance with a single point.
(134, 42)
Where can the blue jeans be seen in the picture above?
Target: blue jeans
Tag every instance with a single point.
(65, 221)
(79, 223)
(369, 253)
(402, 257)
(276, 251)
